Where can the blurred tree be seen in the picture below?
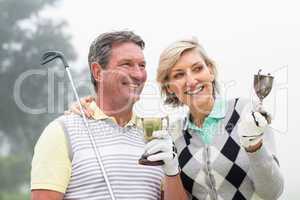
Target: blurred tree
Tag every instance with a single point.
(24, 36)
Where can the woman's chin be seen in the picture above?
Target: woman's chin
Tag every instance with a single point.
(201, 102)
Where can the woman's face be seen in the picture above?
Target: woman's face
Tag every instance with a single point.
(191, 80)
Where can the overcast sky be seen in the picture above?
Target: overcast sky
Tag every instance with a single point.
(241, 36)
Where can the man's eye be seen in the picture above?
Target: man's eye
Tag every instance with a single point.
(142, 65)
(125, 64)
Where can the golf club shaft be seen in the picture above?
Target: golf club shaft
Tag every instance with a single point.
(91, 137)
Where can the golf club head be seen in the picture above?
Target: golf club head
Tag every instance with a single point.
(51, 55)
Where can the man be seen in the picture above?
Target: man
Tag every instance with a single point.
(64, 165)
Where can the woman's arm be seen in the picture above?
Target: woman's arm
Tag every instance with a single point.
(264, 169)
(257, 138)
(173, 188)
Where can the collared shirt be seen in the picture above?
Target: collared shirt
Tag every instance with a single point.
(210, 123)
(52, 154)
(223, 169)
(100, 115)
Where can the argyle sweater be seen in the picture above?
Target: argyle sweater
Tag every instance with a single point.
(223, 170)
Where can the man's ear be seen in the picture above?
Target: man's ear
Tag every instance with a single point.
(96, 71)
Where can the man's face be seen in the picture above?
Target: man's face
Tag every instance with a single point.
(125, 75)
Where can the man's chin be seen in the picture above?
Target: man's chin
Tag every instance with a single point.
(134, 98)
(131, 98)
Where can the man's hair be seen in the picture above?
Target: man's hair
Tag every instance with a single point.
(101, 48)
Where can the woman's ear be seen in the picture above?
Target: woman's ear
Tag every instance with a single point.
(169, 90)
(96, 71)
(211, 72)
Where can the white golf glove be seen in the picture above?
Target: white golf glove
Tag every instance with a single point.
(163, 149)
(252, 125)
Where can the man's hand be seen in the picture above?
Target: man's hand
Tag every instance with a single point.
(163, 149)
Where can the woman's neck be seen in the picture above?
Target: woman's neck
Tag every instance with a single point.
(199, 114)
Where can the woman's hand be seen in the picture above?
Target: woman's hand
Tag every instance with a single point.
(85, 101)
(252, 127)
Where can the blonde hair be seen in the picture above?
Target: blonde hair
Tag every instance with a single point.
(169, 58)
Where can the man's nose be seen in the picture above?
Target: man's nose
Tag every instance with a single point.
(138, 73)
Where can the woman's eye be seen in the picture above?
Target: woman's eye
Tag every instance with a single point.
(197, 68)
(178, 75)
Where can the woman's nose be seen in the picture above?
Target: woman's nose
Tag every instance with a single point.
(191, 80)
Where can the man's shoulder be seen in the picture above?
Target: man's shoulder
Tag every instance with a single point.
(53, 131)
(67, 121)
(56, 124)
(67, 118)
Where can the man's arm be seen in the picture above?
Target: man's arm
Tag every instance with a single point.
(46, 195)
(173, 188)
(51, 165)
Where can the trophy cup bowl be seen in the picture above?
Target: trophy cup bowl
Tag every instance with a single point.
(263, 86)
(149, 125)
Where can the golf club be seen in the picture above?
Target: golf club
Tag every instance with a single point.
(50, 56)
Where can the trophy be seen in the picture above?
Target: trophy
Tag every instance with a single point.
(149, 125)
(263, 86)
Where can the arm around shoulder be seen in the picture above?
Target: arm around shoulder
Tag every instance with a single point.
(173, 188)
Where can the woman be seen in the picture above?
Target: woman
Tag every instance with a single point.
(225, 149)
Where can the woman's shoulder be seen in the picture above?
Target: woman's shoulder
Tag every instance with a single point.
(177, 126)
(239, 104)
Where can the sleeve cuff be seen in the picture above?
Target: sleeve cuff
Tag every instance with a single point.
(48, 186)
(262, 155)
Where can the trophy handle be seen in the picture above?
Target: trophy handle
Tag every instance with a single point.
(142, 122)
(166, 118)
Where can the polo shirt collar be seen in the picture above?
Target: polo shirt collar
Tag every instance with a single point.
(218, 111)
(100, 115)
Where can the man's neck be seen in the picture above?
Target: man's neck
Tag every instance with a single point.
(121, 113)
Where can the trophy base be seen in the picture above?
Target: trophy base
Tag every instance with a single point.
(143, 161)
